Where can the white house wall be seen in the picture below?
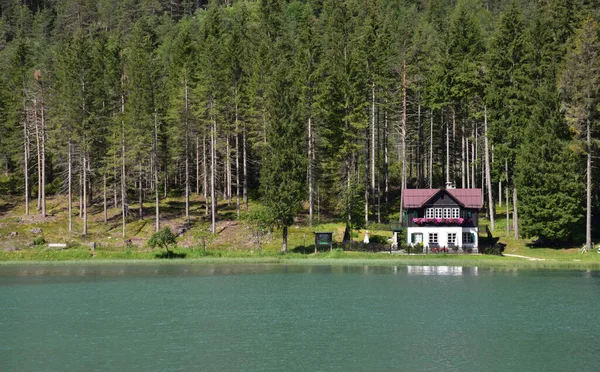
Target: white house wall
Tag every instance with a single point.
(443, 232)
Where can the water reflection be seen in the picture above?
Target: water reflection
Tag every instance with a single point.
(89, 272)
(442, 270)
(94, 272)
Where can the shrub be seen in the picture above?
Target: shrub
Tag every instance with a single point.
(39, 240)
(53, 187)
(8, 185)
(417, 248)
(378, 239)
(495, 250)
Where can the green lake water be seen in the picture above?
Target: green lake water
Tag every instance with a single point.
(296, 318)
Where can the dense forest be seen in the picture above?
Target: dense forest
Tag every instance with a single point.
(325, 106)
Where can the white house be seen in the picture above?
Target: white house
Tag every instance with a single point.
(443, 219)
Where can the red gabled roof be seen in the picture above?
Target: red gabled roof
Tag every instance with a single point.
(470, 198)
(416, 198)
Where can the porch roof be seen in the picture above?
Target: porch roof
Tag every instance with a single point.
(417, 198)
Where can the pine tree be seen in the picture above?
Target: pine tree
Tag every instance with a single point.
(506, 93)
(238, 75)
(342, 107)
(466, 48)
(14, 121)
(550, 187)
(579, 83)
(210, 92)
(305, 81)
(283, 171)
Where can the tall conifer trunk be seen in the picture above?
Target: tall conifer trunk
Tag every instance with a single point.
(285, 239)
(474, 160)
(204, 172)
(228, 177)
(515, 214)
(431, 152)
(372, 144)
(104, 199)
(237, 157)
(420, 162)
(245, 163)
(140, 190)
(85, 191)
(500, 194)
(506, 194)
(403, 134)
(187, 151)
(311, 202)
(26, 164)
(447, 154)
(488, 178)
(155, 170)
(466, 157)
(123, 174)
(70, 185)
(463, 158)
(213, 202)
(81, 186)
(39, 157)
(43, 148)
(197, 165)
(367, 174)
(588, 189)
(385, 160)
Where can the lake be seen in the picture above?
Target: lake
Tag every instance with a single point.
(183, 317)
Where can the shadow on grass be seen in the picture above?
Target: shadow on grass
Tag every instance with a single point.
(311, 249)
(170, 255)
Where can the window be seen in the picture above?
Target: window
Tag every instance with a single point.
(416, 238)
(447, 212)
(429, 213)
(433, 237)
(468, 238)
(438, 213)
(466, 213)
(451, 238)
(455, 212)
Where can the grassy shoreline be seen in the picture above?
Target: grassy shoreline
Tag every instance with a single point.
(339, 260)
(234, 243)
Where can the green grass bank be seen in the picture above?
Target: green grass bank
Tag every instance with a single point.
(235, 242)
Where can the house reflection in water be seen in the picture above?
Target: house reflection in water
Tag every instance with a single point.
(442, 270)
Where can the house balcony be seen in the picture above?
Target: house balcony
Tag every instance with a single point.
(433, 222)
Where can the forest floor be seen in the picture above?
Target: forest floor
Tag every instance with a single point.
(234, 239)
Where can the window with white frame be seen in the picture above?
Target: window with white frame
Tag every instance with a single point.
(438, 213)
(447, 212)
(429, 213)
(433, 237)
(451, 238)
(467, 238)
(455, 212)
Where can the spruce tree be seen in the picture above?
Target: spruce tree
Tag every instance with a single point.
(283, 169)
(579, 83)
(508, 85)
(342, 107)
(550, 187)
